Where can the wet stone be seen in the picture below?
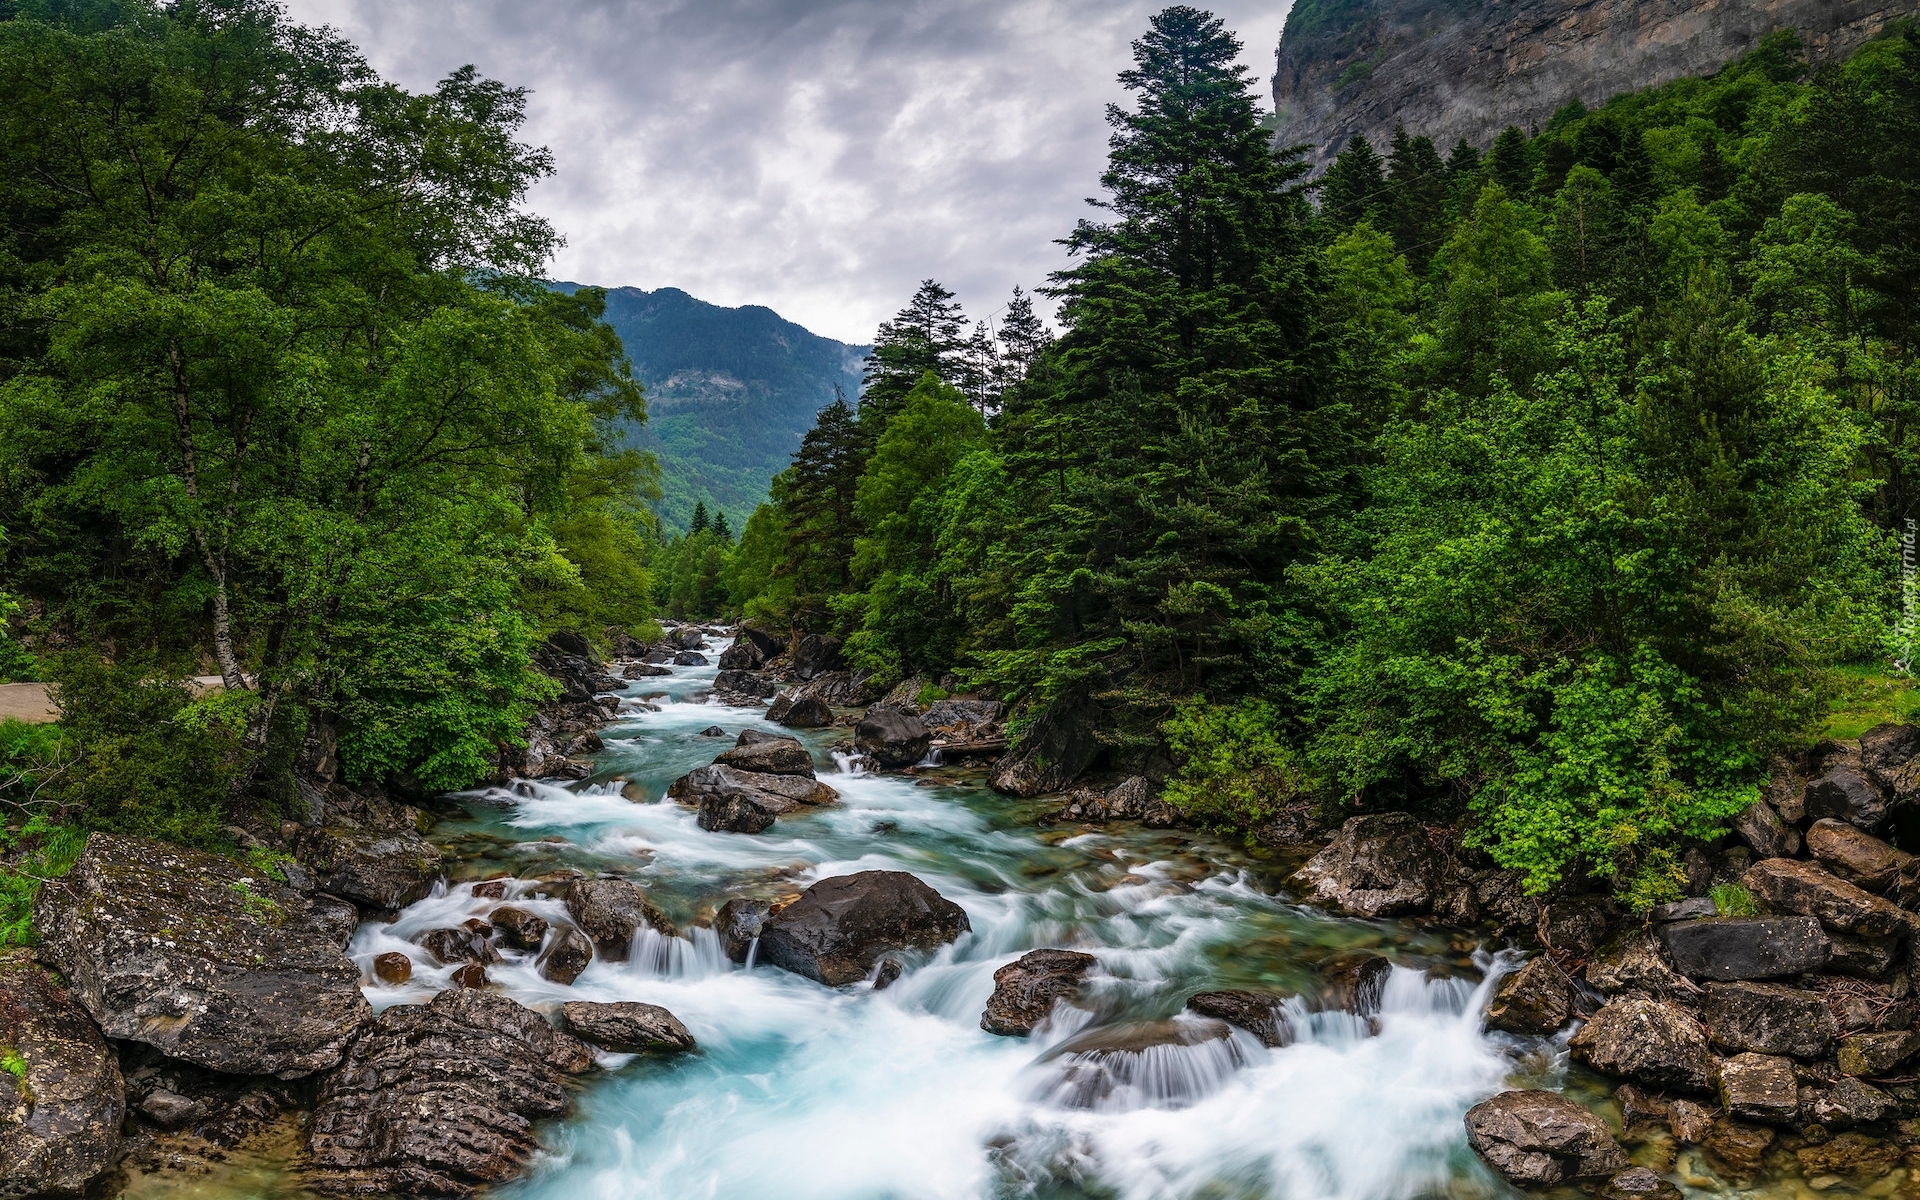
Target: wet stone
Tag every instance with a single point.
(1649, 1042)
(1638, 1108)
(1768, 1018)
(1354, 983)
(626, 1027)
(1025, 990)
(392, 968)
(1689, 1122)
(1759, 1087)
(565, 957)
(1259, 1013)
(1876, 1053)
(1737, 1147)
(1851, 1154)
(1536, 999)
(1639, 1183)
(1791, 886)
(1540, 1138)
(1729, 948)
(519, 928)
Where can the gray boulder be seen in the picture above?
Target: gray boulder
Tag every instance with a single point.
(626, 1027)
(1635, 960)
(60, 1114)
(800, 710)
(841, 927)
(892, 737)
(1847, 793)
(1539, 1139)
(738, 923)
(1639, 1183)
(764, 754)
(1354, 982)
(1759, 1087)
(1647, 1041)
(814, 654)
(1791, 886)
(518, 928)
(1768, 1018)
(200, 958)
(610, 911)
(1378, 865)
(1746, 947)
(565, 957)
(439, 1099)
(744, 683)
(689, 658)
(1024, 991)
(1259, 1013)
(1536, 999)
(1059, 744)
(387, 871)
(1765, 833)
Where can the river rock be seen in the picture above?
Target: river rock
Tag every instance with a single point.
(200, 958)
(777, 794)
(1648, 1041)
(60, 1114)
(738, 923)
(1848, 1102)
(963, 716)
(1162, 1063)
(439, 1099)
(815, 654)
(1261, 1014)
(1635, 960)
(840, 927)
(689, 658)
(745, 654)
(392, 968)
(1690, 1123)
(1846, 792)
(1639, 1108)
(1886, 749)
(1378, 865)
(766, 754)
(687, 637)
(332, 918)
(386, 871)
(1577, 924)
(751, 684)
(1856, 855)
(1862, 958)
(1790, 886)
(565, 957)
(626, 1027)
(1759, 1087)
(1024, 991)
(1737, 1147)
(892, 737)
(457, 946)
(1852, 1154)
(610, 912)
(1639, 1183)
(1765, 833)
(1539, 1139)
(519, 928)
(1746, 947)
(1876, 1053)
(1768, 1018)
(1053, 749)
(800, 710)
(1536, 999)
(1354, 982)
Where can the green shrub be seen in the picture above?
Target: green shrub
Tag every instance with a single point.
(1733, 900)
(1235, 770)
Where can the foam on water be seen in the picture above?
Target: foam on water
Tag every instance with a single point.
(799, 1091)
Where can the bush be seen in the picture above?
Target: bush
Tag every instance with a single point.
(1235, 770)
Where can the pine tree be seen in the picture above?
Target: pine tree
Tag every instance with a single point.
(816, 494)
(929, 334)
(1022, 337)
(1354, 189)
(1714, 179)
(979, 371)
(699, 522)
(1462, 160)
(721, 529)
(1511, 163)
(1418, 187)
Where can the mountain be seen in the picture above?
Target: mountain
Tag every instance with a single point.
(1455, 69)
(730, 392)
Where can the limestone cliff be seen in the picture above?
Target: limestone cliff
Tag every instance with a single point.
(1469, 68)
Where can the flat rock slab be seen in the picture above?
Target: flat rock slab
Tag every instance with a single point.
(768, 756)
(60, 1117)
(201, 959)
(841, 927)
(1026, 989)
(1768, 1018)
(1791, 886)
(1746, 947)
(626, 1027)
(1262, 1014)
(1759, 1087)
(1538, 1139)
(439, 1099)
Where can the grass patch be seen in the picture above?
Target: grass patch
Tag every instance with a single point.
(1868, 695)
(1733, 900)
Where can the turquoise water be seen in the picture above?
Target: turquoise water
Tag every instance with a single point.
(799, 1091)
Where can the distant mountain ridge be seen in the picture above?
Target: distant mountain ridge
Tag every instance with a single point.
(730, 392)
(1453, 69)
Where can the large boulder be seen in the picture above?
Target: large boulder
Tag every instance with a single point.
(610, 911)
(1746, 947)
(800, 710)
(1791, 886)
(1052, 751)
(845, 689)
(962, 716)
(773, 794)
(892, 737)
(1761, 828)
(1536, 999)
(1024, 991)
(439, 1099)
(815, 654)
(386, 871)
(744, 683)
(1648, 1041)
(200, 958)
(1379, 865)
(568, 953)
(61, 1096)
(1539, 1139)
(1262, 1014)
(1635, 960)
(626, 1027)
(841, 927)
(1856, 855)
(1768, 1018)
(1848, 793)
(764, 754)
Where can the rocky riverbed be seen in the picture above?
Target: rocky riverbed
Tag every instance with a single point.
(709, 954)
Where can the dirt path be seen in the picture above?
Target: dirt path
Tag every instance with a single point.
(28, 701)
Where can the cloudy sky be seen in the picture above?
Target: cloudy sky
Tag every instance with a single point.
(816, 156)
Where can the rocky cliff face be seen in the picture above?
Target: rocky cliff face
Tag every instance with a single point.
(1469, 68)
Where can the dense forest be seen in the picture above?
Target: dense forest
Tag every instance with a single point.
(1547, 488)
(1544, 488)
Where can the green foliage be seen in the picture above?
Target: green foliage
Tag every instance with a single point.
(1733, 900)
(1236, 769)
(12, 1063)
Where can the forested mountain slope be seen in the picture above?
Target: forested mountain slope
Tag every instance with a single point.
(729, 390)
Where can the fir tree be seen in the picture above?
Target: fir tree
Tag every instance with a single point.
(1418, 186)
(1714, 179)
(1354, 189)
(721, 529)
(1511, 162)
(929, 334)
(699, 522)
(817, 494)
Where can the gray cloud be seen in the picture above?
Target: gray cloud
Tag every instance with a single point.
(816, 156)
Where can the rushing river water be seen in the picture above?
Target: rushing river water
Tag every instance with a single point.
(800, 1092)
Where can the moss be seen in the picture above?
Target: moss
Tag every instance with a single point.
(1867, 695)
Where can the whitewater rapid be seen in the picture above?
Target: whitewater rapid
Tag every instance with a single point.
(802, 1092)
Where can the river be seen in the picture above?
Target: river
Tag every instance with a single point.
(802, 1092)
